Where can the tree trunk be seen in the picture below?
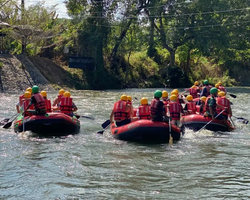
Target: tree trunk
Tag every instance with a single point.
(172, 56)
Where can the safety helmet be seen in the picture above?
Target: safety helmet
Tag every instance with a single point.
(66, 94)
(174, 93)
(61, 91)
(177, 91)
(213, 90)
(144, 101)
(221, 94)
(35, 89)
(205, 82)
(189, 97)
(173, 98)
(158, 94)
(164, 94)
(27, 95)
(44, 93)
(217, 85)
(203, 98)
(124, 97)
(196, 83)
(193, 87)
(129, 98)
(29, 89)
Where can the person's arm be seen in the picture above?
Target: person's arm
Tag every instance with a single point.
(131, 111)
(55, 102)
(74, 107)
(18, 107)
(137, 113)
(111, 117)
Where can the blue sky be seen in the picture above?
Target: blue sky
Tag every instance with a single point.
(60, 8)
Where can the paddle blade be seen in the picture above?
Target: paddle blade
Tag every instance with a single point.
(8, 125)
(105, 124)
(100, 132)
(232, 95)
(88, 117)
(171, 140)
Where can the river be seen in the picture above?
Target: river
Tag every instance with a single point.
(206, 165)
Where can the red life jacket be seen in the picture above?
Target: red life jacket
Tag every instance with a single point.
(191, 106)
(66, 105)
(26, 103)
(40, 103)
(120, 110)
(47, 104)
(154, 106)
(175, 110)
(144, 112)
(223, 101)
(221, 88)
(193, 92)
(166, 102)
(21, 98)
(129, 102)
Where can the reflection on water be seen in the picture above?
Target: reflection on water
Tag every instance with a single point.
(206, 165)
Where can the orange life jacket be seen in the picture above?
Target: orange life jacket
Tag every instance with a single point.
(144, 112)
(174, 109)
(40, 103)
(223, 101)
(47, 104)
(120, 110)
(66, 105)
(193, 92)
(191, 106)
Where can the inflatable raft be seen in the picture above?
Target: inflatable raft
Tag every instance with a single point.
(51, 124)
(145, 130)
(196, 122)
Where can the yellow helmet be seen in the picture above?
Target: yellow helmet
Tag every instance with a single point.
(196, 83)
(203, 98)
(189, 97)
(129, 98)
(173, 98)
(27, 95)
(66, 94)
(176, 91)
(29, 89)
(193, 86)
(221, 94)
(164, 94)
(219, 83)
(144, 101)
(124, 97)
(44, 93)
(61, 91)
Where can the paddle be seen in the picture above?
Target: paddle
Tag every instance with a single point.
(170, 136)
(104, 125)
(232, 95)
(8, 125)
(244, 121)
(4, 121)
(87, 117)
(210, 121)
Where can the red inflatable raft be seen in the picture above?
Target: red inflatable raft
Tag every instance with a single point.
(50, 124)
(145, 130)
(196, 122)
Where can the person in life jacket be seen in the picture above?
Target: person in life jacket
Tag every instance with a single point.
(224, 102)
(38, 101)
(211, 106)
(174, 110)
(179, 98)
(202, 108)
(21, 99)
(165, 99)
(66, 104)
(26, 102)
(221, 88)
(206, 89)
(58, 98)
(193, 91)
(157, 110)
(190, 106)
(143, 111)
(47, 101)
(196, 84)
(129, 101)
(121, 112)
